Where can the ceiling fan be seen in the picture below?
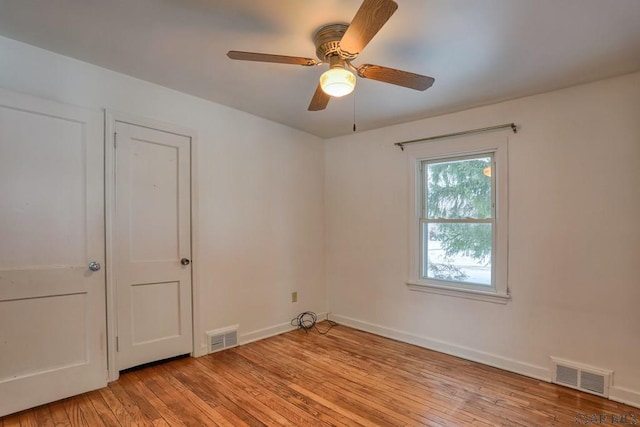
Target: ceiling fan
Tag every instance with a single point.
(338, 45)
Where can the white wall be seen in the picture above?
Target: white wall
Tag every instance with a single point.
(261, 208)
(574, 213)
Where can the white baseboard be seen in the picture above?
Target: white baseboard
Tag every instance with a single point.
(625, 395)
(270, 331)
(511, 365)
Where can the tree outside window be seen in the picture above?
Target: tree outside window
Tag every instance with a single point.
(457, 220)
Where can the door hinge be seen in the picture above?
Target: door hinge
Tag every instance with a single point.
(117, 344)
(115, 142)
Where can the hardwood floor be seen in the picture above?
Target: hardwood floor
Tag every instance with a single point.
(345, 378)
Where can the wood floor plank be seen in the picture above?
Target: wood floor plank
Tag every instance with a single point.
(317, 377)
(198, 381)
(129, 404)
(180, 409)
(43, 416)
(302, 380)
(257, 372)
(28, 419)
(117, 408)
(154, 409)
(11, 421)
(104, 411)
(72, 407)
(372, 383)
(247, 400)
(229, 419)
(346, 378)
(365, 382)
(89, 412)
(246, 376)
(207, 410)
(59, 414)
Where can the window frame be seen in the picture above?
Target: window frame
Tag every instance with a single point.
(454, 149)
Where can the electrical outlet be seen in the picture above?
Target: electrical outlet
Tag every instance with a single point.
(294, 297)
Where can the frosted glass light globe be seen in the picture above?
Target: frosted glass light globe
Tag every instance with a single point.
(337, 82)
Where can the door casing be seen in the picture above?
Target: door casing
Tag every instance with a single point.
(111, 117)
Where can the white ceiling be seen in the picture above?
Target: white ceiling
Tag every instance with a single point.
(479, 51)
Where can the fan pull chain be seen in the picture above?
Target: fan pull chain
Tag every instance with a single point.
(354, 111)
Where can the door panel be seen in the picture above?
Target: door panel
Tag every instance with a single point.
(154, 182)
(65, 323)
(52, 307)
(153, 234)
(43, 180)
(156, 311)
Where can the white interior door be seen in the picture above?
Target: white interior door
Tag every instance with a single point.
(52, 306)
(152, 245)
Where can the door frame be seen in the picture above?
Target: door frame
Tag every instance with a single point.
(111, 117)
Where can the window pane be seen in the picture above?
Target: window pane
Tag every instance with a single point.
(459, 188)
(457, 252)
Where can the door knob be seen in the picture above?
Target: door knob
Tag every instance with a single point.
(94, 266)
(185, 261)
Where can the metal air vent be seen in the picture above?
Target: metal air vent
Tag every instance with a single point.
(581, 377)
(221, 339)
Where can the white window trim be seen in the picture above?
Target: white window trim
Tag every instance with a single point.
(469, 145)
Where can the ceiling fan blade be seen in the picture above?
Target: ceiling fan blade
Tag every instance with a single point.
(395, 77)
(371, 16)
(265, 57)
(319, 101)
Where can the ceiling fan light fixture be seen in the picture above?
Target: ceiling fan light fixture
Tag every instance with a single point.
(337, 82)
(338, 44)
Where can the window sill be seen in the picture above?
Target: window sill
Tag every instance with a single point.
(498, 298)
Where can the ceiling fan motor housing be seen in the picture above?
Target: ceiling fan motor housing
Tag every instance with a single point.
(327, 41)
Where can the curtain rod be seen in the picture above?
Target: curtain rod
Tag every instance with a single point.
(464, 132)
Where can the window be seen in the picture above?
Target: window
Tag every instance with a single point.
(457, 220)
(459, 232)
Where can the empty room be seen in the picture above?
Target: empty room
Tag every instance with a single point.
(319, 212)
